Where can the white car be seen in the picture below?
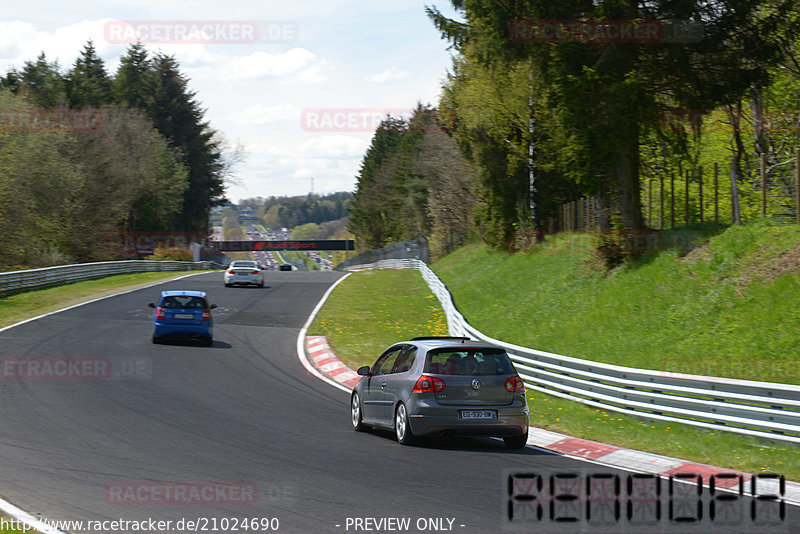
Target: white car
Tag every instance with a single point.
(244, 272)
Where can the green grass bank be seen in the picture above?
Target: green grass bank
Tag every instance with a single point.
(371, 310)
(713, 301)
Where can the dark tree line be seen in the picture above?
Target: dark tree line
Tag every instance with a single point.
(290, 212)
(414, 181)
(148, 162)
(544, 122)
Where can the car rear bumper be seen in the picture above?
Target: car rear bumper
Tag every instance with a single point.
(233, 279)
(187, 330)
(433, 420)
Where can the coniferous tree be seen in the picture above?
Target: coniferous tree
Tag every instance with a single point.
(133, 84)
(88, 84)
(607, 94)
(179, 118)
(41, 81)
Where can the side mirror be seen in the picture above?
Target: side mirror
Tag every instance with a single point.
(363, 371)
(212, 306)
(152, 305)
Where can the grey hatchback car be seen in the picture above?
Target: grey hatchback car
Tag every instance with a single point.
(442, 386)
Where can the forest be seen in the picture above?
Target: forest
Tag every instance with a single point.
(531, 118)
(85, 154)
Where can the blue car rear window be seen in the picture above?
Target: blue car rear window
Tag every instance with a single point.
(184, 302)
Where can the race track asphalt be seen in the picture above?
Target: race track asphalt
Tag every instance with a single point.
(246, 413)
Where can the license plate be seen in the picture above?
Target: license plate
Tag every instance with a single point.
(477, 414)
(184, 316)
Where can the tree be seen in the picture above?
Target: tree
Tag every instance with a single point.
(375, 206)
(133, 84)
(88, 84)
(40, 81)
(306, 231)
(177, 115)
(607, 94)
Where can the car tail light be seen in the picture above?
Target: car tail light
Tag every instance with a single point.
(230, 271)
(255, 272)
(160, 314)
(515, 385)
(429, 384)
(207, 316)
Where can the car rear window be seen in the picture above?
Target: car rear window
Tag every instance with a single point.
(478, 361)
(244, 264)
(184, 301)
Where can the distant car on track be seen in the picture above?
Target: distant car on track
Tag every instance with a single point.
(183, 314)
(285, 267)
(442, 386)
(244, 272)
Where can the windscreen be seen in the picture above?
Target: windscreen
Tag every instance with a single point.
(472, 361)
(184, 302)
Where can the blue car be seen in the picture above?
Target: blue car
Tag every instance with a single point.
(183, 314)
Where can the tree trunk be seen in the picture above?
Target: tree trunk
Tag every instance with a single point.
(629, 198)
(533, 200)
(734, 116)
(604, 204)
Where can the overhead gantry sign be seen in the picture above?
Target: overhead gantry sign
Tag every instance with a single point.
(307, 245)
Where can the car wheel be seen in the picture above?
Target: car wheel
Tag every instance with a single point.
(402, 429)
(261, 284)
(156, 340)
(516, 442)
(228, 285)
(208, 342)
(355, 413)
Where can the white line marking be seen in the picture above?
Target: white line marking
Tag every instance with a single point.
(301, 338)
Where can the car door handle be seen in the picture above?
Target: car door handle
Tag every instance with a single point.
(383, 385)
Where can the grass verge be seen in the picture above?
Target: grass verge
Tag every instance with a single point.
(373, 309)
(21, 306)
(370, 310)
(712, 301)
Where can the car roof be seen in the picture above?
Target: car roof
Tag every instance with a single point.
(176, 292)
(428, 343)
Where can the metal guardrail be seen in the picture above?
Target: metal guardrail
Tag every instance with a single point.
(764, 409)
(15, 281)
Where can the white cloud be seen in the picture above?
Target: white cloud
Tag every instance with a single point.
(392, 73)
(261, 114)
(348, 55)
(298, 61)
(335, 146)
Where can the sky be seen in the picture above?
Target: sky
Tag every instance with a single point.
(298, 86)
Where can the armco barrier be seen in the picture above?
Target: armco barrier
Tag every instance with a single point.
(14, 281)
(763, 409)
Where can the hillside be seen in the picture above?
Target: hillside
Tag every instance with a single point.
(712, 301)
